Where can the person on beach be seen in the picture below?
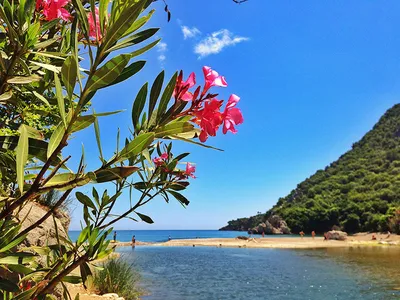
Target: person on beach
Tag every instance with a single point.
(313, 234)
(263, 234)
(388, 236)
(373, 237)
(133, 241)
(115, 236)
(326, 236)
(301, 233)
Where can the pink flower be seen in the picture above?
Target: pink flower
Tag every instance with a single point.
(94, 25)
(231, 115)
(54, 9)
(190, 169)
(209, 119)
(182, 87)
(159, 161)
(212, 78)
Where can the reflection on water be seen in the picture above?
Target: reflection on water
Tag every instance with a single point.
(176, 273)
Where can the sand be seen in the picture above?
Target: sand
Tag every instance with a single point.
(361, 239)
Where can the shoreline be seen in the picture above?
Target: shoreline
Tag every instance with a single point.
(357, 240)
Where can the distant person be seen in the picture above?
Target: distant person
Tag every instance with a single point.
(373, 237)
(313, 234)
(133, 241)
(301, 233)
(263, 234)
(326, 236)
(115, 236)
(388, 236)
(169, 238)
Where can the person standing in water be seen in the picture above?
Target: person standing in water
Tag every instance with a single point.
(133, 241)
(313, 234)
(115, 236)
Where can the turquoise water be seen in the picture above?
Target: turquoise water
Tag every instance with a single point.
(162, 235)
(180, 273)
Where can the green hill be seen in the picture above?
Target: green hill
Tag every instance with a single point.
(358, 192)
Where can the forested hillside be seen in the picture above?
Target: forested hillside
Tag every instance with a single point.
(358, 192)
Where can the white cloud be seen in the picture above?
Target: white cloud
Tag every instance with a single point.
(216, 42)
(162, 47)
(189, 32)
(161, 57)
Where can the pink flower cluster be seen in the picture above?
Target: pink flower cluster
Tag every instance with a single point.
(162, 161)
(205, 108)
(54, 9)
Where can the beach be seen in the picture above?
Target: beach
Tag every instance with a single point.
(292, 242)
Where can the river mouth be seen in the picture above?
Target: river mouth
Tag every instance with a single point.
(176, 273)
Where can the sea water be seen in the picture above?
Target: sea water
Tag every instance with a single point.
(163, 235)
(197, 273)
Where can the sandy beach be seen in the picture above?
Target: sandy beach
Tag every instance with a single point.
(360, 239)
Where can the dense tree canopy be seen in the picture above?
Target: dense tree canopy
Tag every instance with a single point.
(358, 192)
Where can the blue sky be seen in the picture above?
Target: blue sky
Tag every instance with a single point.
(313, 77)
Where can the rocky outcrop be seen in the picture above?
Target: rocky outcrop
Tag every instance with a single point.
(336, 235)
(45, 234)
(274, 225)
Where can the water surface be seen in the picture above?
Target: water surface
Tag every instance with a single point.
(176, 273)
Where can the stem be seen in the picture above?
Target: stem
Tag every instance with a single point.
(52, 284)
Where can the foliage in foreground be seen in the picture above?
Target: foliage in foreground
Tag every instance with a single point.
(117, 276)
(55, 56)
(358, 192)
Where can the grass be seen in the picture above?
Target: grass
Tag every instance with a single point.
(118, 277)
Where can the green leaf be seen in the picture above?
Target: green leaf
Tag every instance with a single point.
(145, 218)
(23, 79)
(129, 71)
(85, 200)
(108, 113)
(69, 73)
(103, 11)
(40, 97)
(155, 92)
(82, 122)
(13, 243)
(138, 105)
(144, 49)
(46, 66)
(55, 139)
(74, 279)
(82, 16)
(6, 96)
(17, 258)
(139, 23)
(182, 199)
(8, 286)
(173, 128)
(98, 140)
(115, 173)
(22, 156)
(134, 39)
(46, 43)
(108, 73)
(122, 23)
(166, 96)
(136, 146)
(60, 99)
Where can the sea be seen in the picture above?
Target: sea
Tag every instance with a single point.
(207, 273)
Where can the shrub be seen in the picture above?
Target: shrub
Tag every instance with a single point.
(118, 277)
(394, 223)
